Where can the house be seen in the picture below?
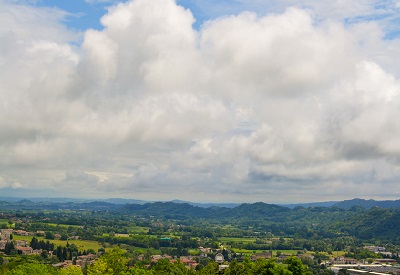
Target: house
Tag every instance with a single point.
(20, 232)
(66, 263)
(5, 234)
(375, 249)
(37, 251)
(262, 255)
(24, 250)
(343, 260)
(88, 257)
(23, 233)
(84, 260)
(155, 258)
(350, 261)
(3, 244)
(219, 258)
(385, 261)
(21, 243)
(188, 260)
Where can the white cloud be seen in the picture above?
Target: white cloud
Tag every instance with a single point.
(277, 107)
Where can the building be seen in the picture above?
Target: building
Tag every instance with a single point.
(5, 234)
(24, 250)
(21, 243)
(262, 255)
(385, 261)
(3, 244)
(219, 258)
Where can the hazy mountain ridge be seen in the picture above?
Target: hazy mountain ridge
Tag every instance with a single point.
(367, 204)
(310, 204)
(114, 203)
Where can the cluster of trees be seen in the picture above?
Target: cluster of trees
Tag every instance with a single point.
(62, 253)
(149, 241)
(44, 245)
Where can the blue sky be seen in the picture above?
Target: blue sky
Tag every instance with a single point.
(83, 15)
(218, 101)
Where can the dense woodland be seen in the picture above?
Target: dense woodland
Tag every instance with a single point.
(139, 231)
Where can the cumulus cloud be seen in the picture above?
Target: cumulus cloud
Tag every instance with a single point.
(284, 106)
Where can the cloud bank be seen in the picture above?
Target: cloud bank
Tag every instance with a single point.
(297, 104)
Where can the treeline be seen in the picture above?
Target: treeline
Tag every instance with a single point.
(145, 241)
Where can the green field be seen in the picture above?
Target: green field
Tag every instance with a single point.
(5, 221)
(250, 252)
(237, 240)
(63, 225)
(138, 229)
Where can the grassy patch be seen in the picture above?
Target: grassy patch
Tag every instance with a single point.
(138, 229)
(63, 225)
(237, 240)
(5, 221)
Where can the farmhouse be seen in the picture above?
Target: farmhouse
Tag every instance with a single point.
(24, 250)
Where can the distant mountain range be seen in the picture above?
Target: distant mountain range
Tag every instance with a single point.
(347, 204)
(311, 204)
(367, 204)
(117, 202)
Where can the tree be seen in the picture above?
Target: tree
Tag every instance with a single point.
(238, 269)
(210, 269)
(140, 271)
(269, 267)
(65, 253)
(49, 235)
(32, 269)
(44, 254)
(34, 243)
(9, 248)
(296, 266)
(59, 253)
(111, 263)
(98, 268)
(71, 270)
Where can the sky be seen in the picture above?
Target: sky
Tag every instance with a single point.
(278, 101)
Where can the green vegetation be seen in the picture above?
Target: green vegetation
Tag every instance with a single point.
(116, 263)
(135, 233)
